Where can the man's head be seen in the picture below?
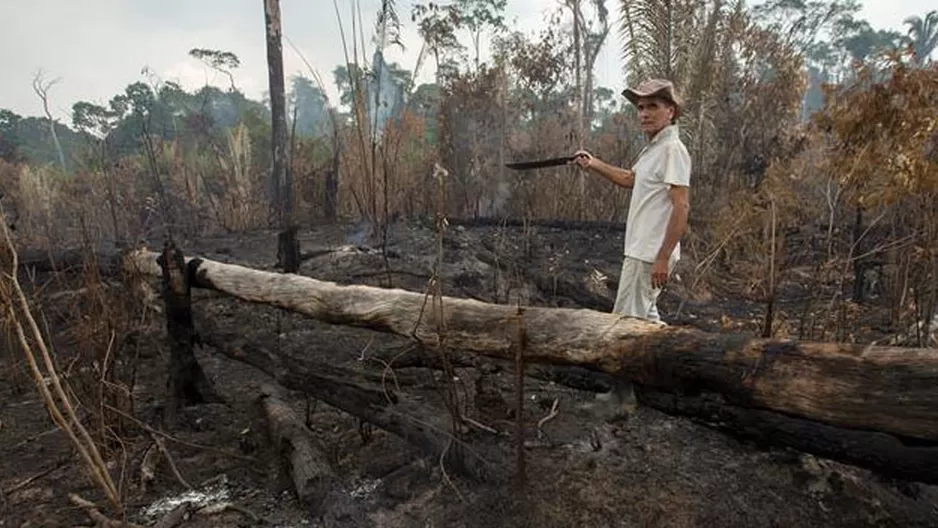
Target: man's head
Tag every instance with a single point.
(657, 102)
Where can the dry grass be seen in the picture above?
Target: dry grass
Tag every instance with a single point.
(46, 374)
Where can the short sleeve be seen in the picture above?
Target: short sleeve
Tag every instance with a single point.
(676, 165)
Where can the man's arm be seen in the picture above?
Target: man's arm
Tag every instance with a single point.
(677, 223)
(617, 175)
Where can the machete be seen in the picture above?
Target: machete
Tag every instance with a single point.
(552, 162)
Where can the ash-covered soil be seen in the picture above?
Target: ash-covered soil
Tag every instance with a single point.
(590, 466)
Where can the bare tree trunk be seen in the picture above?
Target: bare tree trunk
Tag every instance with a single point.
(331, 205)
(578, 66)
(288, 248)
(42, 90)
(188, 383)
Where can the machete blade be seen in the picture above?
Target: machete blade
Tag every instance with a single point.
(539, 164)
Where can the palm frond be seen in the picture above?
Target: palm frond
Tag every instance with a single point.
(388, 25)
(647, 31)
(703, 58)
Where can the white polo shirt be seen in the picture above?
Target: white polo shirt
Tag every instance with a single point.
(662, 163)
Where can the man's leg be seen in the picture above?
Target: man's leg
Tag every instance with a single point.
(627, 297)
(635, 297)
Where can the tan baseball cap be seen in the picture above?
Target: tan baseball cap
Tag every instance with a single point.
(662, 88)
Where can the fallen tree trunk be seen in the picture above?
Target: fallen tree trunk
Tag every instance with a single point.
(424, 426)
(871, 390)
(313, 476)
(880, 452)
(870, 449)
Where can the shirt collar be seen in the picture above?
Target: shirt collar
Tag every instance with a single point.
(665, 133)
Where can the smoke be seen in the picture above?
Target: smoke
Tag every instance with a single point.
(494, 202)
(359, 234)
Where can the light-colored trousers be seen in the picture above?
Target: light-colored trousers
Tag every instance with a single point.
(636, 295)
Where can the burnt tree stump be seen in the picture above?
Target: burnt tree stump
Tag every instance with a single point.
(187, 382)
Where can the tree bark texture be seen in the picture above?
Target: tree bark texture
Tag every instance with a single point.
(312, 474)
(862, 391)
(188, 384)
(281, 178)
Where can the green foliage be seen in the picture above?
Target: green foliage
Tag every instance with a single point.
(9, 136)
(34, 141)
(215, 58)
(922, 35)
(310, 108)
(222, 61)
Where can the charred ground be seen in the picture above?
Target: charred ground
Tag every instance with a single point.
(590, 467)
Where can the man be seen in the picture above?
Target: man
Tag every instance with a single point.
(660, 183)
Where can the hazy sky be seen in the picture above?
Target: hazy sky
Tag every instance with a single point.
(97, 47)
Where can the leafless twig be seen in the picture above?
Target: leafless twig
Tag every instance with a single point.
(169, 460)
(26, 482)
(480, 425)
(101, 521)
(550, 416)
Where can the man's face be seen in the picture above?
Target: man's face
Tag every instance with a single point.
(654, 114)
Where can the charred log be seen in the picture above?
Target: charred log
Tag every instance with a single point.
(422, 425)
(69, 260)
(890, 391)
(883, 453)
(188, 384)
(312, 474)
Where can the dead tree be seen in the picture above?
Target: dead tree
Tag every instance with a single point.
(188, 384)
(41, 87)
(288, 250)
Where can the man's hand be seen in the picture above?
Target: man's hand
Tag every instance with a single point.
(659, 273)
(583, 158)
(621, 177)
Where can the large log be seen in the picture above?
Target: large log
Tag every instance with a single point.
(422, 425)
(879, 451)
(883, 390)
(874, 450)
(312, 474)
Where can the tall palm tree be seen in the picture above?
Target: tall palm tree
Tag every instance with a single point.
(923, 36)
(679, 40)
